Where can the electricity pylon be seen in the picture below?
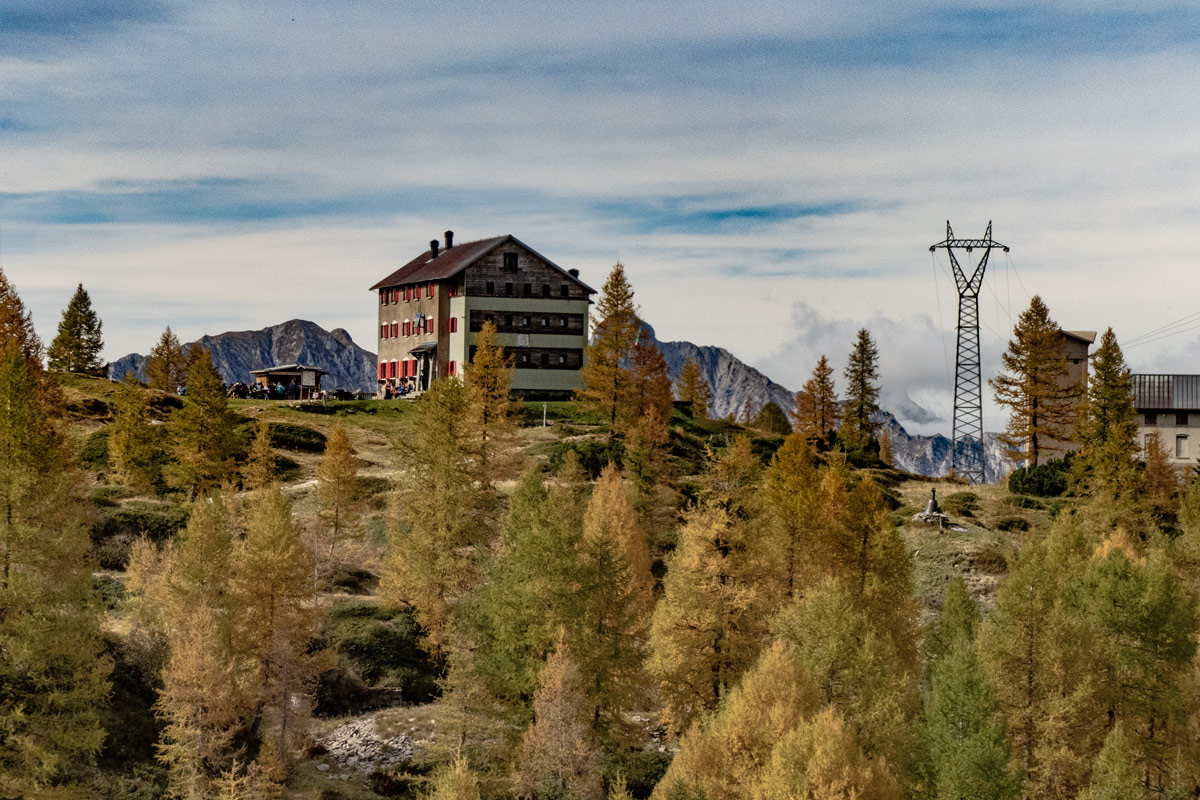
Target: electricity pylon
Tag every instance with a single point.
(967, 449)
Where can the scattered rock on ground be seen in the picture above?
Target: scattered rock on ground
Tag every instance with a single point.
(358, 745)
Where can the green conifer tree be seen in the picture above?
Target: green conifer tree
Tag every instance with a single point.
(771, 419)
(857, 670)
(1145, 624)
(958, 621)
(508, 624)
(1105, 466)
(862, 392)
(77, 346)
(53, 677)
(968, 752)
(202, 437)
(1039, 656)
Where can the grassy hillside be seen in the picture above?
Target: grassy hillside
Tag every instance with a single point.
(381, 673)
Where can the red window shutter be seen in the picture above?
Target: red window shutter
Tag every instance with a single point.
(382, 370)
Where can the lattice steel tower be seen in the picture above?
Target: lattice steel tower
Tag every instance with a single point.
(967, 448)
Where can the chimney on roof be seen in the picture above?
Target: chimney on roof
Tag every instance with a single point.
(433, 248)
(449, 239)
(574, 273)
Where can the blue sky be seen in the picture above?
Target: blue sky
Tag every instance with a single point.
(771, 174)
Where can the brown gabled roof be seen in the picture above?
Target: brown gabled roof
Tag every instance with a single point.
(453, 261)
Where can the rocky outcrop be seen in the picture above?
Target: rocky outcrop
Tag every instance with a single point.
(359, 746)
(234, 354)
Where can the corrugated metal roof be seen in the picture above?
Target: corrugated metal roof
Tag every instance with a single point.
(1166, 392)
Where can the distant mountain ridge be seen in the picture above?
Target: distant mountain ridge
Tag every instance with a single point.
(735, 385)
(296, 341)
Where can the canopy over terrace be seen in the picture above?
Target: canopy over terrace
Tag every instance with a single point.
(300, 382)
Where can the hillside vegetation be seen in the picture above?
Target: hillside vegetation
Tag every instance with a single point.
(461, 596)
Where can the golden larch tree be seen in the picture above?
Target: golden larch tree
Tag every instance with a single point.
(276, 600)
(559, 757)
(1036, 388)
(606, 375)
(489, 388)
(694, 389)
(338, 487)
(53, 676)
(166, 364)
(817, 410)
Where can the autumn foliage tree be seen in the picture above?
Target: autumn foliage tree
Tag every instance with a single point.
(259, 470)
(559, 757)
(606, 375)
(337, 488)
(817, 410)
(442, 510)
(204, 702)
(166, 364)
(1035, 387)
(489, 388)
(53, 677)
(694, 389)
(275, 593)
(134, 446)
(16, 325)
(202, 438)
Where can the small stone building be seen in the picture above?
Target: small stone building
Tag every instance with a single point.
(1170, 406)
(431, 308)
